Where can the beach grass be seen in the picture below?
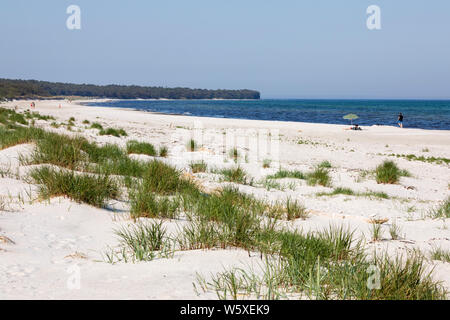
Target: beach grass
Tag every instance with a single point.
(376, 231)
(441, 212)
(413, 157)
(89, 189)
(394, 231)
(389, 173)
(163, 151)
(142, 241)
(320, 176)
(113, 132)
(192, 145)
(266, 163)
(234, 154)
(350, 192)
(440, 254)
(324, 264)
(280, 174)
(148, 205)
(198, 166)
(136, 147)
(96, 125)
(328, 265)
(236, 174)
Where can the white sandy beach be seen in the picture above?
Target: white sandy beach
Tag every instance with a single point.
(48, 238)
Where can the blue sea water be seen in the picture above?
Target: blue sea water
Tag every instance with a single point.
(425, 114)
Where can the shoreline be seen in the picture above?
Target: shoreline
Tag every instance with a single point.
(84, 103)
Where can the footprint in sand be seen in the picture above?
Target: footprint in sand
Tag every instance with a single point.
(17, 270)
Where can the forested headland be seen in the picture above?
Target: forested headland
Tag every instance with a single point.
(33, 89)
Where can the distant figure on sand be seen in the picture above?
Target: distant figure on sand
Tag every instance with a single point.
(400, 120)
(33, 106)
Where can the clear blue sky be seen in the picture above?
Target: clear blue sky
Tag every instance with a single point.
(284, 48)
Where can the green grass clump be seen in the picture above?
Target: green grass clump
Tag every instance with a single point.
(8, 116)
(106, 153)
(440, 254)
(202, 234)
(113, 132)
(96, 125)
(234, 154)
(413, 157)
(237, 175)
(86, 121)
(60, 150)
(17, 118)
(199, 166)
(287, 174)
(350, 192)
(325, 164)
(319, 176)
(121, 166)
(80, 154)
(192, 145)
(16, 135)
(338, 190)
(148, 205)
(93, 190)
(141, 242)
(295, 210)
(163, 151)
(387, 172)
(38, 116)
(325, 265)
(235, 214)
(266, 163)
(136, 147)
(163, 179)
(376, 231)
(443, 211)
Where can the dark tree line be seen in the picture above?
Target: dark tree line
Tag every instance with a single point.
(14, 89)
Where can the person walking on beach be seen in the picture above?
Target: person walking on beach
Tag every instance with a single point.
(400, 120)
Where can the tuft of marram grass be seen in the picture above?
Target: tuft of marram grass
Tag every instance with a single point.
(96, 125)
(198, 166)
(237, 175)
(136, 147)
(287, 174)
(389, 173)
(440, 254)
(234, 154)
(376, 231)
(164, 179)
(142, 241)
(15, 135)
(149, 205)
(163, 151)
(60, 150)
(328, 265)
(394, 231)
(288, 210)
(192, 145)
(320, 176)
(350, 192)
(266, 163)
(93, 190)
(442, 211)
(325, 164)
(113, 132)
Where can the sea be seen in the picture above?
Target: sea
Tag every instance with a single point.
(424, 114)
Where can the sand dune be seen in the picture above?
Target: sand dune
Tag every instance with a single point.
(42, 241)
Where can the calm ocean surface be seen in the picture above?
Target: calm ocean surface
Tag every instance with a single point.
(424, 114)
